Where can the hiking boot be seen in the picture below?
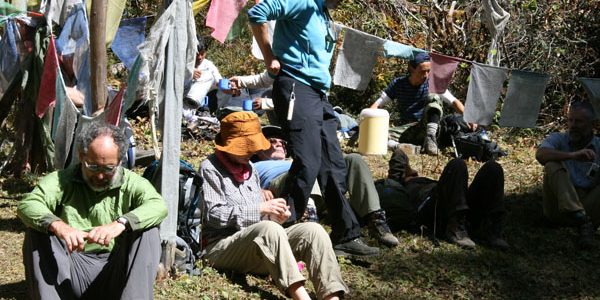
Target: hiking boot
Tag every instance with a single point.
(497, 242)
(456, 233)
(355, 247)
(493, 235)
(430, 145)
(379, 229)
(586, 235)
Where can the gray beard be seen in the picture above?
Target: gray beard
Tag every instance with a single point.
(114, 179)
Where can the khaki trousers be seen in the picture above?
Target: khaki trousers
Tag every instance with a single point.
(363, 197)
(267, 248)
(562, 198)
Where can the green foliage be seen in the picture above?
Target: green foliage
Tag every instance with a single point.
(548, 37)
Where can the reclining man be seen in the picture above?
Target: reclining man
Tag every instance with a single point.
(273, 170)
(92, 227)
(571, 176)
(449, 204)
(420, 112)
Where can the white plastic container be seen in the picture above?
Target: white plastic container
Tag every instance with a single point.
(373, 132)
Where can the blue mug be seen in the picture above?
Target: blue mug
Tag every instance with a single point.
(247, 104)
(224, 84)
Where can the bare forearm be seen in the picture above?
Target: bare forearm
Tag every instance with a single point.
(458, 107)
(261, 34)
(544, 155)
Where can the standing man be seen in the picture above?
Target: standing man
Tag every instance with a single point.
(92, 228)
(423, 111)
(303, 44)
(571, 174)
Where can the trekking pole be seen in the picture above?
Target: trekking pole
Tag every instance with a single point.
(454, 146)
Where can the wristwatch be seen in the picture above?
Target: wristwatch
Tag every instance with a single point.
(123, 221)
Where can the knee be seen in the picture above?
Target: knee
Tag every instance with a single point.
(552, 167)
(315, 233)
(493, 168)
(457, 165)
(269, 229)
(353, 159)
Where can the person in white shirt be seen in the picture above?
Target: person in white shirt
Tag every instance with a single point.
(204, 79)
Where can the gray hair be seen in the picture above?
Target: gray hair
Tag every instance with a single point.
(100, 128)
(585, 107)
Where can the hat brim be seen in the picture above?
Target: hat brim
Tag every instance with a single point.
(243, 145)
(272, 131)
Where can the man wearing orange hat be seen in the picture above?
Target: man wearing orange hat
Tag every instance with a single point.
(243, 232)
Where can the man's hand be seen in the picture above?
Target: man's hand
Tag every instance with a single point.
(104, 234)
(74, 238)
(197, 74)
(273, 66)
(276, 209)
(267, 195)
(472, 126)
(584, 155)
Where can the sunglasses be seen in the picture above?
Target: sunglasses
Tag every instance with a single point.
(276, 140)
(108, 169)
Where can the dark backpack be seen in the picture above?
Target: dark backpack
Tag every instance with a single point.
(189, 216)
(455, 132)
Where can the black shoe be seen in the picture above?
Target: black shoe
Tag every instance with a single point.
(379, 229)
(355, 247)
(456, 233)
(492, 234)
(586, 235)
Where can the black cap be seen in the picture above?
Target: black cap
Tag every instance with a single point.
(272, 131)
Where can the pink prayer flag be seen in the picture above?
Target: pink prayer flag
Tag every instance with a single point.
(47, 92)
(113, 112)
(442, 69)
(221, 15)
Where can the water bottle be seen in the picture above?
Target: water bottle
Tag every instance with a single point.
(484, 135)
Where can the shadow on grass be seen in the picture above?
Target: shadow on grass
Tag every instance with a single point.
(543, 263)
(13, 185)
(16, 290)
(11, 225)
(241, 280)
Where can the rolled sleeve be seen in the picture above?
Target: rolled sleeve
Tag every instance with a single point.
(265, 11)
(554, 141)
(448, 98)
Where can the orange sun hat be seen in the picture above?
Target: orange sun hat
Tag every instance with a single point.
(241, 134)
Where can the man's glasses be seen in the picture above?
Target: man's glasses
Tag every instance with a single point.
(274, 141)
(108, 169)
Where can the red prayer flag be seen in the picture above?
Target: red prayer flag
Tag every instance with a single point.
(47, 93)
(113, 112)
(442, 69)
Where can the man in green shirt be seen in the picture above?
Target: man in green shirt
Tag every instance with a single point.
(92, 227)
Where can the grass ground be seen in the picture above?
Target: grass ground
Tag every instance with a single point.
(543, 263)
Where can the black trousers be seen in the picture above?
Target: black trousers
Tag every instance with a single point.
(482, 199)
(317, 155)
